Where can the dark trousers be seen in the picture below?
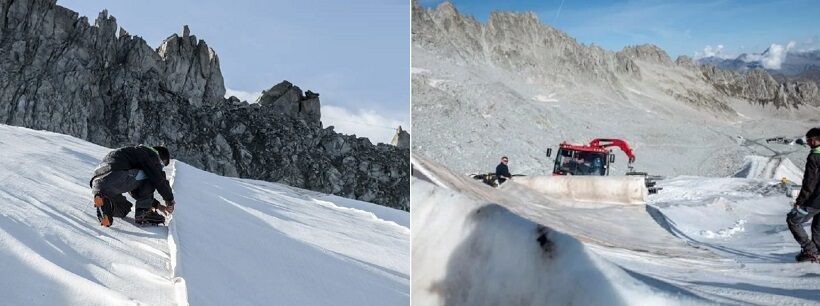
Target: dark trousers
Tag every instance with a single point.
(117, 182)
(795, 221)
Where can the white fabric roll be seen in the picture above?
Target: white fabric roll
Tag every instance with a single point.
(598, 189)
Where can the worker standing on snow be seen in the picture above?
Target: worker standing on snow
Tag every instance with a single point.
(807, 204)
(502, 171)
(138, 171)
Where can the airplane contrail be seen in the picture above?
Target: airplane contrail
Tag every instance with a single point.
(558, 13)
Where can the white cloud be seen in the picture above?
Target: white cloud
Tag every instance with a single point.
(243, 95)
(708, 51)
(363, 123)
(771, 59)
(774, 56)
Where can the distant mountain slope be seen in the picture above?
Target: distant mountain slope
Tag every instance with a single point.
(515, 86)
(793, 66)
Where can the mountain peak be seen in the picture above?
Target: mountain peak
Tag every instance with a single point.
(116, 91)
(647, 52)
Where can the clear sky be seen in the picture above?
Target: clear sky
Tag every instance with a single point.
(680, 27)
(355, 53)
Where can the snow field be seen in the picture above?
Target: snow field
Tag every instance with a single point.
(231, 241)
(699, 241)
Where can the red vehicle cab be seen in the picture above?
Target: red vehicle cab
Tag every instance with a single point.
(592, 159)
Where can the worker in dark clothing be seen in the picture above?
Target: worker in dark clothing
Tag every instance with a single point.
(138, 171)
(502, 172)
(807, 204)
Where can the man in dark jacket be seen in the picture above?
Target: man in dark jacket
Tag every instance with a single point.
(502, 172)
(138, 171)
(807, 204)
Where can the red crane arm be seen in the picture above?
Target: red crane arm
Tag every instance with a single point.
(621, 144)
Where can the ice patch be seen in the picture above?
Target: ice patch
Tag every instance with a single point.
(417, 70)
(726, 232)
(436, 82)
(543, 98)
(635, 91)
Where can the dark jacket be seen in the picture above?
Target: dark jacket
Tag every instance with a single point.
(502, 172)
(810, 192)
(142, 158)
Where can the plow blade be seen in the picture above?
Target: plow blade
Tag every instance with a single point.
(598, 189)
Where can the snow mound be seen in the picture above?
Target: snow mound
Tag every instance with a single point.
(231, 241)
(699, 241)
(470, 250)
(760, 167)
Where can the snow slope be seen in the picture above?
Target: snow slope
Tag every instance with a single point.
(699, 241)
(232, 241)
(770, 168)
(275, 245)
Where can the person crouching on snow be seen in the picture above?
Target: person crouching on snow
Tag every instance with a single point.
(807, 204)
(138, 171)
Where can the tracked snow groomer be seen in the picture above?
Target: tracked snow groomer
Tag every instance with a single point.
(581, 174)
(595, 159)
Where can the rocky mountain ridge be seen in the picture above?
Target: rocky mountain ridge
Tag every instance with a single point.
(513, 86)
(795, 66)
(61, 74)
(520, 42)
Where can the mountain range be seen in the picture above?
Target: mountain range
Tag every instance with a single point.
(100, 83)
(514, 86)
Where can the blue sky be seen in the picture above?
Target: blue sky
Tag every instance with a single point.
(679, 27)
(354, 53)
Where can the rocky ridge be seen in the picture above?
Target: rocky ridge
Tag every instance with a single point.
(61, 74)
(513, 86)
(401, 139)
(519, 42)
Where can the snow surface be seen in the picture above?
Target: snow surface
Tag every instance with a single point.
(699, 241)
(231, 242)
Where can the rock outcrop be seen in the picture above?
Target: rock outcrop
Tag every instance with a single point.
(758, 86)
(290, 100)
(59, 73)
(646, 52)
(401, 139)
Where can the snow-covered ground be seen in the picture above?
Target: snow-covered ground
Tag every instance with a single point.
(231, 242)
(699, 241)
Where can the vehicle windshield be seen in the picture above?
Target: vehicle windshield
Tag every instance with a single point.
(583, 163)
